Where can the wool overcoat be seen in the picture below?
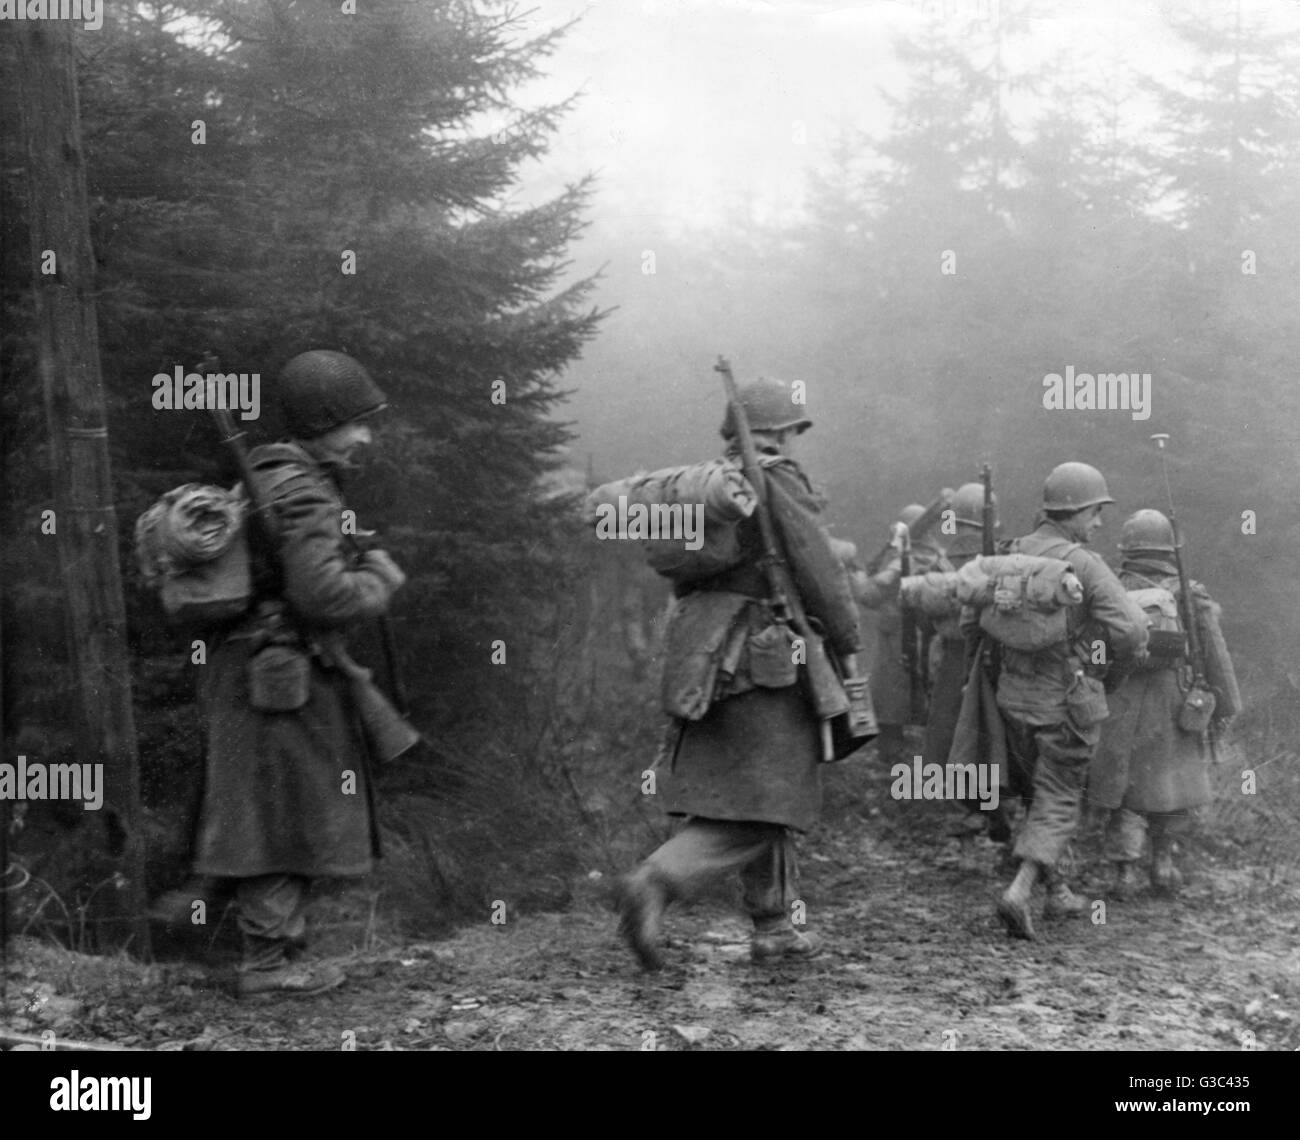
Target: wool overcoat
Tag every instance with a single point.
(290, 792)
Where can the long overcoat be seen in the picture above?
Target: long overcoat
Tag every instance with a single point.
(755, 753)
(290, 792)
(882, 624)
(1145, 762)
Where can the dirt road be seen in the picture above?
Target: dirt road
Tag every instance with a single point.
(916, 960)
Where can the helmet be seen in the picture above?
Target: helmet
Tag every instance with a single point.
(968, 505)
(1147, 530)
(321, 390)
(927, 539)
(1073, 487)
(769, 406)
(910, 513)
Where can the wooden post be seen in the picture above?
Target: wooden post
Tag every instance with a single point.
(85, 519)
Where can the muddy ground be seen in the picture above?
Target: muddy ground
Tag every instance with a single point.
(916, 960)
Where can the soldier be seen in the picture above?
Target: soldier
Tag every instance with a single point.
(288, 796)
(1149, 773)
(746, 772)
(1050, 701)
(891, 693)
(948, 660)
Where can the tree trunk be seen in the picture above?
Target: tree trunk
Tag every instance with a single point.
(85, 520)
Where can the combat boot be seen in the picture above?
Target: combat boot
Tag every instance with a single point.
(1061, 901)
(291, 979)
(1013, 906)
(780, 940)
(1165, 877)
(1125, 884)
(641, 900)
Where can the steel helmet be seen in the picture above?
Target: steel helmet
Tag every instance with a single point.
(321, 390)
(1074, 487)
(1147, 530)
(927, 539)
(769, 406)
(910, 513)
(968, 505)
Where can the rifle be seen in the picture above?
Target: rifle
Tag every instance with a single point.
(924, 522)
(829, 696)
(385, 726)
(987, 517)
(902, 542)
(1186, 603)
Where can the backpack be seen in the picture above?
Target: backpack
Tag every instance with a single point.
(192, 549)
(1023, 599)
(1168, 640)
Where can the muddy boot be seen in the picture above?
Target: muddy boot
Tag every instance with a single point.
(1061, 901)
(1125, 883)
(1165, 877)
(1013, 906)
(290, 979)
(777, 939)
(641, 900)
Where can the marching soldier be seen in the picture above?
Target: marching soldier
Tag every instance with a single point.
(948, 663)
(1051, 702)
(746, 772)
(891, 687)
(288, 796)
(1150, 773)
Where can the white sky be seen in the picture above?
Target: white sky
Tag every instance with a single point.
(692, 105)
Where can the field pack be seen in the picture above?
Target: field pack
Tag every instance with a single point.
(1023, 599)
(684, 517)
(192, 549)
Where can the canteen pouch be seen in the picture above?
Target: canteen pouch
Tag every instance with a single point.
(771, 658)
(1198, 708)
(279, 679)
(1085, 701)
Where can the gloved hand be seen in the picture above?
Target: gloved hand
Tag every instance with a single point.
(381, 564)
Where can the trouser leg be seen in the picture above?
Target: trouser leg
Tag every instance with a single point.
(271, 913)
(1125, 832)
(708, 849)
(770, 883)
(1060, 774)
